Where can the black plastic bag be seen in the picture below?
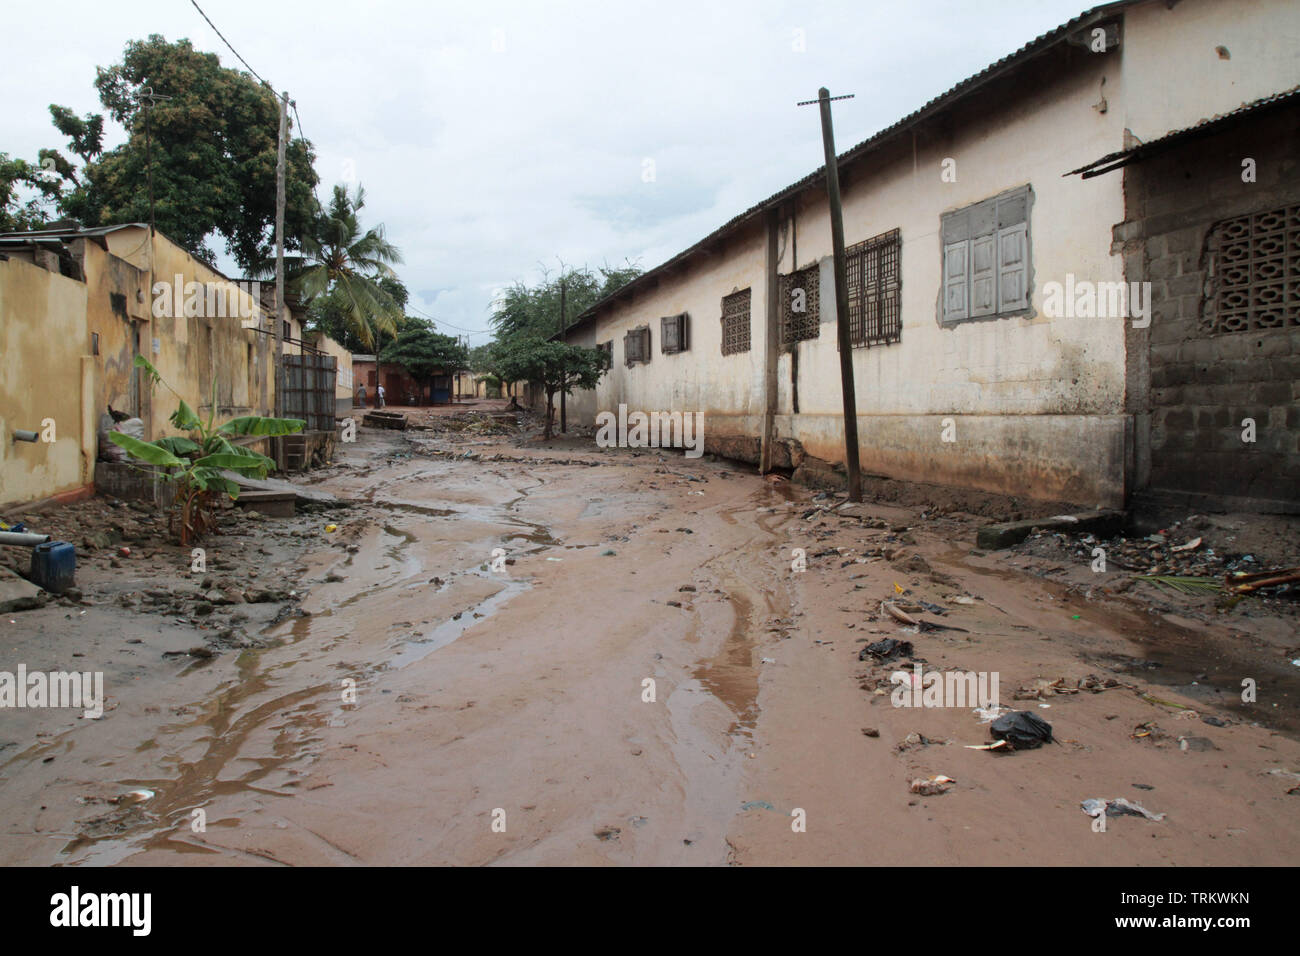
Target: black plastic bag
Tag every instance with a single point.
(1022, 729)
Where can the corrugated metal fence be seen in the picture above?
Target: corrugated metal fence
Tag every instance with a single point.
(309, 389)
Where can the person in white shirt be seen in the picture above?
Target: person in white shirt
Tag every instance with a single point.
(379, 391)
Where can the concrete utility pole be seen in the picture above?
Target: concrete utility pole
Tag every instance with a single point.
(851, 462)
(564, 424)
(279, 257)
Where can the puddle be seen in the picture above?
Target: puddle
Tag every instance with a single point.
(447, 632)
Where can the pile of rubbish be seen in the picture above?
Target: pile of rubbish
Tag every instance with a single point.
(474, 424)
(1177, 559)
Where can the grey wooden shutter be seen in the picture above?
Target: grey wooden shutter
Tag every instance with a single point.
(956, 265)
(956, 280)
(983, 276)
(1013, 268)
(669, 334)
(1013, 250)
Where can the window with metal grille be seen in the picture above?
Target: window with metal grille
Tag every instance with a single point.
(735, 322)
(636, 345)
(1256, 272)
(875, 311)
(800, 315)
(673, 334)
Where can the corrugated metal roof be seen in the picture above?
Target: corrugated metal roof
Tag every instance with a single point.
(936, 105)
(65, 232)
(1209, 125)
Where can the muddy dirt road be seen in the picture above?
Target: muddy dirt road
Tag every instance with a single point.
(468, 678)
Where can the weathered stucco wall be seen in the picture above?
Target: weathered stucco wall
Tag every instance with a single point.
(1036, 401)
(1176, 73)
(728, 389)
(44, 375)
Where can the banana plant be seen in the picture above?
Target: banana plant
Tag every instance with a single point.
(195, 463)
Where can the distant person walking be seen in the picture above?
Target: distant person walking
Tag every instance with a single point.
(379, 392)
(361, 394)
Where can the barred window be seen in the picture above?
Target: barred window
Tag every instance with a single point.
(875, 313)
(1256, 272)
(636, 345)
(673, 334)
(800, 315)
(735, 322)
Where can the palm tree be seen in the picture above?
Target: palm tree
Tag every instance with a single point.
(339, 260)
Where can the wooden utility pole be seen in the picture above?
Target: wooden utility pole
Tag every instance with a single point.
(564, 423)
(841, 296)
(279, 256)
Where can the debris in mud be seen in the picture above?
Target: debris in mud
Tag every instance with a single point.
(1041, 689)
(870, 732)
(1119, 807)
(914, 740)
(1022, 729)
(1196, 744)
(885, 650)
(932, 787)
(607, 833)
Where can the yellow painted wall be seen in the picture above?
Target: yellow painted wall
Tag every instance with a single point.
(43, 339)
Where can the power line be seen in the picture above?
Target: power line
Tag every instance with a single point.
(227, 43)
(446, 323)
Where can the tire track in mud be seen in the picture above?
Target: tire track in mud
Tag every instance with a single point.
(712, 765)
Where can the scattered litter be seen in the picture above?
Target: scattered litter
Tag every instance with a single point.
(1022, 729)
(887, 649)
(331, 528)
(902, 617)
(1119, 807)
(1196, 744)
(996, 745)
(768, 660)
(932, 787)
(136, 796)
(1214, 721)
(985, 714)
(1189, 546)
(757, 805)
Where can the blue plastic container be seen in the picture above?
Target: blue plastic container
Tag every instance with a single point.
(54, 566)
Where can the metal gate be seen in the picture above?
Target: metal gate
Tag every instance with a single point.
(309, 390)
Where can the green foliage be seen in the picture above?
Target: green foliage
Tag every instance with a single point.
(195, 463)
(329, 314)
(213, 146)
(534, 312)
(26, 193)
(349, 267)
(557, 366)
(425, 353)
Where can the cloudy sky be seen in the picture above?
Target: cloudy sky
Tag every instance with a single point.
(493, 138)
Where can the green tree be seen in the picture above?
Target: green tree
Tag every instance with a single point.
(425, 353)
(557, 367)
(213, 147)
(330, 314)
(17, 213)
(339, 260)
(533, 312)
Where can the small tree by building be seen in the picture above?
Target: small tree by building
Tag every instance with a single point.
(557, 367)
